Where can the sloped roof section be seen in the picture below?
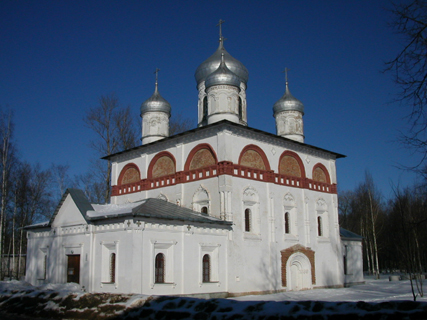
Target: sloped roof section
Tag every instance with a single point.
(219, 124)
(79, 199)
(149, 208)
(349, 236)
(161, 209)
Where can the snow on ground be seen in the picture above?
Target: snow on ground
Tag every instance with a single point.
(375, 299)
(372, 291)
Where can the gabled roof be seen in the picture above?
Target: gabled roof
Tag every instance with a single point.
(349, 236)
(149, 208)
(219, 124)
(79, 199)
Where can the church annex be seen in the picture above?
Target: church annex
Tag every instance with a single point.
(223, 209)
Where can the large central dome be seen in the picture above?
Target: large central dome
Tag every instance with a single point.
(212, 63)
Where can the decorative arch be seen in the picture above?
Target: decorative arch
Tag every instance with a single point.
(289, 200)
(252, 156)
(250, 195)
(201, 200)
(201, 156)
(290, 164)
(162, 197)
(129, 174)
(321, 174)
(163, 164)
(301, 258)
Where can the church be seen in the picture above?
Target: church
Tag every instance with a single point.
(220, 210)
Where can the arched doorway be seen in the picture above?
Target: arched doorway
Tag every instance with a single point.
(298, 271)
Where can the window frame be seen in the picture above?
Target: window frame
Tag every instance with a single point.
(159, 277)
(206, 268)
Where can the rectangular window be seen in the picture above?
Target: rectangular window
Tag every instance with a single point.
(109, 262)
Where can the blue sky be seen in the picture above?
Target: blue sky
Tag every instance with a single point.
(58, 57)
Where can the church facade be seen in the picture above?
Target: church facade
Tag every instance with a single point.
(220, 210)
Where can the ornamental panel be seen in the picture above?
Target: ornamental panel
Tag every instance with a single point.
(164, 166)
(252, 159)
(202, 158)
(131, 175)
(319, 175)
(289, 166)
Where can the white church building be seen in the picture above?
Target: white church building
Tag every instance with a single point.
(220, 210)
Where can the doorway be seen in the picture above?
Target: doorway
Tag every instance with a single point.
(73, 268)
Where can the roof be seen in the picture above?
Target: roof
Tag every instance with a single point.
(149, 208)
(157, 209)
(219, 124)
(79, 199)
(349, 236)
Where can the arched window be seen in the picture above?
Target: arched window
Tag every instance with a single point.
(287, 227)
(45, 267)
(204, 210)
(319, 226)
(240, 109)
(205, 109)
(247, 220)
(160, 268)
(113, 267)
(206, 268)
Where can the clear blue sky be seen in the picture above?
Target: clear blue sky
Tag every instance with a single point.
(58, 57)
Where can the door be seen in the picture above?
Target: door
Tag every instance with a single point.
(73, 268)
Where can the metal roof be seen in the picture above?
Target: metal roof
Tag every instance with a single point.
(150, 208)
(349, 236)
(224, 123)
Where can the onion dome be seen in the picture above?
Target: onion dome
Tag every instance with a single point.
(288, 103)
(222, 75)
(156, 103)
(212, 63)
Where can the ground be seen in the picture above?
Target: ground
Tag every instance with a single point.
(376, 299)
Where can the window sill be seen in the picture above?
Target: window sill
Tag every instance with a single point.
(323, 239)
(290, 237)
(108, 282)
(163, 284)
(251, 236)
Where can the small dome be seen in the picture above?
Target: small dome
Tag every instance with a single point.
(212, 63)
(288, 103)
(156, 103)
(222, 75)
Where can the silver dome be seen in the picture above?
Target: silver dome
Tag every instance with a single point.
(288, 103)
(222, 75)
(212, 63)
(156, 103)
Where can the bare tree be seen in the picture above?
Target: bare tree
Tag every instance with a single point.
(6, 151)
(362, 212)
(179, 124)
(115, 129)
(409, 69)
(409, 217)
(60, 178)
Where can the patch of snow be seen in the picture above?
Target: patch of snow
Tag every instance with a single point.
(372, 291)
(101, 210)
